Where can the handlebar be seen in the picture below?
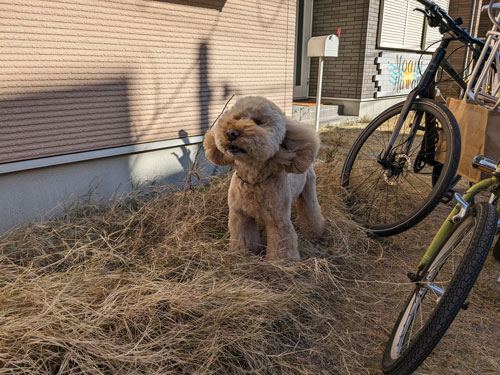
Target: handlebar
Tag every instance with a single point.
(492, 7)
(427, 3)
(437, 16)
(495, 6)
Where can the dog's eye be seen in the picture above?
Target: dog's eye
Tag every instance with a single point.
(257, 121)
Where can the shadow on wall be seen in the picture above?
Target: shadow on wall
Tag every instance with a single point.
(58, 122)
(204, 90)
(185, 156)
(205, 97)
(61, 122)
(191, 167)
(90, 118)
(265, 19)
(195, 168)
(211, 4)
(65, 122)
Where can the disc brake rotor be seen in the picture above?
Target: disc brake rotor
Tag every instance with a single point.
(402, 166)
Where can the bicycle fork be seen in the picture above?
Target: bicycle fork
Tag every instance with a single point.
(424, 89)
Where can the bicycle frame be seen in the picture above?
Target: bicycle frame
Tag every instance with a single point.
(491, 184)
(482, 87)
(425, 89)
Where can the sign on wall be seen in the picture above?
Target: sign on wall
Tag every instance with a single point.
(399, 72)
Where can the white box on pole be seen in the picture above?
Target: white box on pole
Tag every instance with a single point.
(322, 46)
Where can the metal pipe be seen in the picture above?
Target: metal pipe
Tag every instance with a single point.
(318, 93)
(435, 288)
(464, 207)
(471, 24)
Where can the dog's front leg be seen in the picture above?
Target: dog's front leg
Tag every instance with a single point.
(244, 232)
(309, 218)
(281, 240)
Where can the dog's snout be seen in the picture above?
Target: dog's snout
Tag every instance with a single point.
(232, 134)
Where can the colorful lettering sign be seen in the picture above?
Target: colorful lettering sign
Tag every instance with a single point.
(399, 72)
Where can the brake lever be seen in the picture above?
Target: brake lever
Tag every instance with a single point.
(431, 19)
(424, 11)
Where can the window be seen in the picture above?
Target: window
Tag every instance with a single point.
(432, 33)
(401, 27)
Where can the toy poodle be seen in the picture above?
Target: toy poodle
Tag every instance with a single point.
(272, 158)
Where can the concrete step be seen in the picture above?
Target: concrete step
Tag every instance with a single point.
(307, 112)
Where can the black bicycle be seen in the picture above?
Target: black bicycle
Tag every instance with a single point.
(404, 162)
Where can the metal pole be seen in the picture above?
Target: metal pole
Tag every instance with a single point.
(467, 49)
(318, 94)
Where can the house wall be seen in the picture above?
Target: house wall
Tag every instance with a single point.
(463, 9)
(38, 194)
(92, 74)
(485, 23)
(108, 96)
(342, 75)
(457, 8)
(349, 79)
(370, 51)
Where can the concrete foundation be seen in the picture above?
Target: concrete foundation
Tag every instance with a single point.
(365, 107)
(42, 193)
(307, 114)
(40, 189)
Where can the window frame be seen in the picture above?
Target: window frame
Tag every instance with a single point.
(388, 46)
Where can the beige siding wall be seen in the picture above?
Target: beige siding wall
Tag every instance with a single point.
(79, 75)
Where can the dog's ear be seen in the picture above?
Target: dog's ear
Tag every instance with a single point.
(298, 149)
(212, 152)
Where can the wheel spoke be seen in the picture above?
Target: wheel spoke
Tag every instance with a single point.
(388, 195)
(437, 282)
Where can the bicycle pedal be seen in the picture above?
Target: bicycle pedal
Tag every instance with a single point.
(412, 276)
(448, 196)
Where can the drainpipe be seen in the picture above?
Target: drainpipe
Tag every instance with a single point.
(471, 24)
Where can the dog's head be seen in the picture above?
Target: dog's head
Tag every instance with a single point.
(255, 132)
(251, 131)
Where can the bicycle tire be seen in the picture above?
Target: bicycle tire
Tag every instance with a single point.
(480, 223)
(436, 189)
(496, 248)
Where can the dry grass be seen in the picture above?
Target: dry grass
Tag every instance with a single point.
(148, 286)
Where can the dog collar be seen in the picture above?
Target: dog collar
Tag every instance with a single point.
(255, 183)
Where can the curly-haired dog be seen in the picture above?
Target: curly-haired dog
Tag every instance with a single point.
(272, 158)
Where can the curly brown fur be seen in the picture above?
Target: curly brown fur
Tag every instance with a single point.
(272, 158)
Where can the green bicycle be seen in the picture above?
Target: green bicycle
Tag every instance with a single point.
(449, 268)
(445, 275)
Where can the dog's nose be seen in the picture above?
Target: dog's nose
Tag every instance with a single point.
(232, 134)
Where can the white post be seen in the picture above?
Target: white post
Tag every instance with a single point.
(318, 94)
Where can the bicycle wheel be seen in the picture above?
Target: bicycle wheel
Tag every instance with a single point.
(444, 287)
(496, 248)
(390, 200)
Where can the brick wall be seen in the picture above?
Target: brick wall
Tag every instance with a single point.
(485, 23)
(351, 74)
(79, 75)
(371, 52)
(457, 8)
(343, 75)
(463, 9)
